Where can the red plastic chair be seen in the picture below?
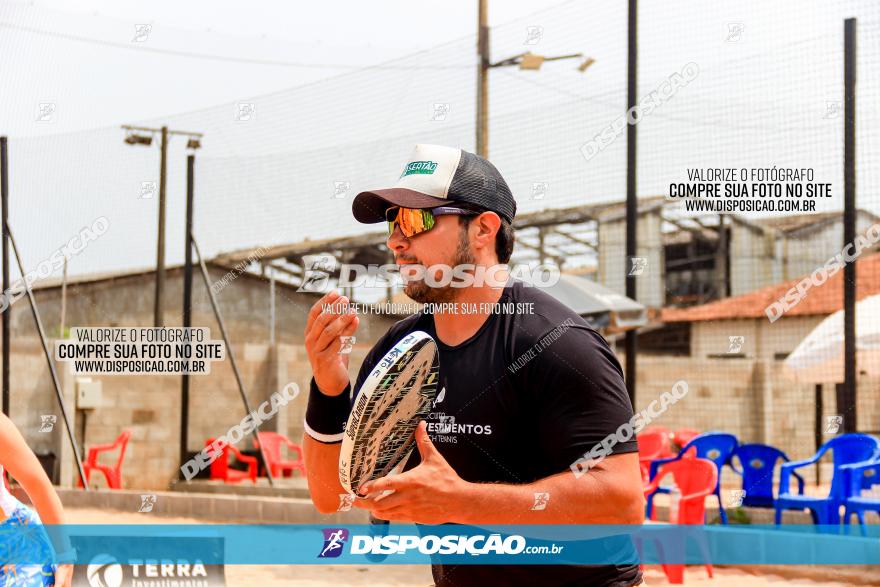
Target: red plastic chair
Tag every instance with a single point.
(668, 449)
(662, 429)
(682, 436)
(220, 466)
(113, 473)
(653, 444)
(696, 478)
(272, 442)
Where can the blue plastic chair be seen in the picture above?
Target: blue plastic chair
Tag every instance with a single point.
(861, 476)
(757, 464)
(847, 449)
(714, 446)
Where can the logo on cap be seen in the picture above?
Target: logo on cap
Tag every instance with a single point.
(419, 168)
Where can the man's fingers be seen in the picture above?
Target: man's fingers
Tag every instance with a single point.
(333, 312)
(330, 312)
(379, 503)
(332, 332)
(318, 315)
(393, 482)
(398, 513)
(364, 504)
(394, 515)
(426, 448)
(393, 500)
(318, 307)
(352, 326)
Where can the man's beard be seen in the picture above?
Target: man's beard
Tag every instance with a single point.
(423, 293)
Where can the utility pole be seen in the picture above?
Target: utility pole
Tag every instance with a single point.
(483, 80)
(4, 218)
(63, 301)
(523, 61)
(158, 307)
(632, 213)
(135, 136)
(846, 396)
(187, 304)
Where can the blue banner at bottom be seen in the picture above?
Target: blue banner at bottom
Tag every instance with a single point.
(448, 544)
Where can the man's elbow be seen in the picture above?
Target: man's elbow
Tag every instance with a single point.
(632, 507)
(627, 504)
(621, 480)
(325, 503)
(637, 513)
(324, 507)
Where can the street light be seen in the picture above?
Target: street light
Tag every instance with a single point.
(586, 63)
(525, 61)
(137, 139)
(136, 135)
(532, 61)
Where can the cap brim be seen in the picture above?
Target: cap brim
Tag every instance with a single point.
(369, 207)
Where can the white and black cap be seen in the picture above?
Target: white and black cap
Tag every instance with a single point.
(440, 176)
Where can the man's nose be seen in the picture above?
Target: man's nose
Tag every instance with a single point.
(396, 240)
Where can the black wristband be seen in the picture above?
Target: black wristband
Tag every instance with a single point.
(326, 415)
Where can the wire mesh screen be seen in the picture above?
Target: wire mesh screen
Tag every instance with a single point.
(763, 88)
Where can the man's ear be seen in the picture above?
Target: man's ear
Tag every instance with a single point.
(484, 228)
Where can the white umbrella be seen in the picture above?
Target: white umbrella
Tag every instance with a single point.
(602, 306)
(819, 357)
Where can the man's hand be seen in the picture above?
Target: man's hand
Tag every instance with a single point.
(322, 333)
(433, 493)
(427, 494)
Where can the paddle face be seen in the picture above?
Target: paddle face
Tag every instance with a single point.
(380, 431)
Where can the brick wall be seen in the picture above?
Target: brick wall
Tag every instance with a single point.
(749, 398)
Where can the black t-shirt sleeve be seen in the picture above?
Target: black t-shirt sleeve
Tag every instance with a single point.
(579, 396)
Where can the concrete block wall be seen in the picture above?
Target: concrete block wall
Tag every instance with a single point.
(762, 339)
(749, 398)
(719, 394)
(868, 413)
(612, 269)
(754, 262)
(31, 395)
(150, 405)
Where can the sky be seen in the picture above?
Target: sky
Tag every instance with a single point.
(62, 51)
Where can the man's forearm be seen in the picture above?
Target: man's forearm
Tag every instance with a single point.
(322, 472)
(596, 498)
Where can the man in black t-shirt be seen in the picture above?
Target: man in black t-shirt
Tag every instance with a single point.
(522, 395)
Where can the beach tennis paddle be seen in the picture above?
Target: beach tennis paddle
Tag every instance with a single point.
(397, 394)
